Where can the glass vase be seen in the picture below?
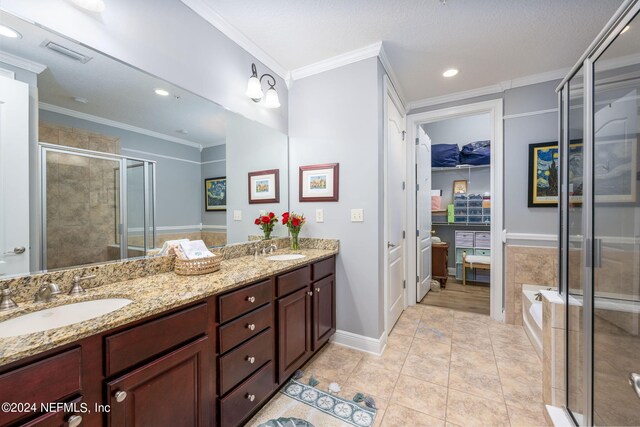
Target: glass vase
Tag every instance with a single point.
(294, 241)
(267, 235)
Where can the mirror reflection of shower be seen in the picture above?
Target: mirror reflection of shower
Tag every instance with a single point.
(96, 205)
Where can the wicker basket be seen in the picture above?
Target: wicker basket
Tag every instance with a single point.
(195, 267)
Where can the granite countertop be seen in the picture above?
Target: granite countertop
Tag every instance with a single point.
(151, 295)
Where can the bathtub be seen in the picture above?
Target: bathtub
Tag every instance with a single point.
(532, 315)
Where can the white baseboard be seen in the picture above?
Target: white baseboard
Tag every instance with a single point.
(360, 342)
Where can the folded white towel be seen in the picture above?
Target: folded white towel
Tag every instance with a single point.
(195, 249)
(478, 259)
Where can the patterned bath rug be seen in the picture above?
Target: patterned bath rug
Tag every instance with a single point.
(287, 422)
(344, 410)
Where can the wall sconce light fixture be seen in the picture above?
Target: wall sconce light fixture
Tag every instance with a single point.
(254, 89)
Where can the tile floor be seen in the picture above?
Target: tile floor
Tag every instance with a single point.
(442, 367)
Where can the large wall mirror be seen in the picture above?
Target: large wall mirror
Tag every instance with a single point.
(119, 161)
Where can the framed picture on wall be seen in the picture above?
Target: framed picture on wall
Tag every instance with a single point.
(215, 194)
(264, 186)
(544, 174)
(460, 186)
(319, 183)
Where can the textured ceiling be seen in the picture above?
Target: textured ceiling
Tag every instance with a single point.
(488, 40)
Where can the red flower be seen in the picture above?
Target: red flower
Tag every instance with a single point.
(295, 221)
(285, 218)
(257, 221)
(266, 220)
(271, 215)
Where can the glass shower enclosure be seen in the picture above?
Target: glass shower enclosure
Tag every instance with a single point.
(95, 206)
(600, 226)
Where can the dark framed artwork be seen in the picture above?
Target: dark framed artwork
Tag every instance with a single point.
(264, 186)
(215, 194)
(319, 183)
(544, 174)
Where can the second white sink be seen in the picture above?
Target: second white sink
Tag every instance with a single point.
(60, 316)
(285, 257)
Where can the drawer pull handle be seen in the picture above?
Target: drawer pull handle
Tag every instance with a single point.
(120, 396)
(74, 420)
(310, 293)
(251, 359)
(251, 299)
(318, 290)
(251, 397)
(251, 326)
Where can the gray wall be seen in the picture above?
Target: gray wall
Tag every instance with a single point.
(253, 147)
(214, 165)
(166, 39)
(336, 117)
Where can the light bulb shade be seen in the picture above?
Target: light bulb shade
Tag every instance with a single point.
(254, 89)
(271, 99)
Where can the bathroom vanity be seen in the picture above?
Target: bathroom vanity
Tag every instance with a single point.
(212, 360)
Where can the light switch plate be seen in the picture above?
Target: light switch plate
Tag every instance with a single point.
(319, 215)
(237, 215)
(357, 215)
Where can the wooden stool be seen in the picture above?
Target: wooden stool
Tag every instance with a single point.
(478, 262)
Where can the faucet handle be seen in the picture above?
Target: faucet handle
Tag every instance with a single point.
(77, 289)
(6, 302)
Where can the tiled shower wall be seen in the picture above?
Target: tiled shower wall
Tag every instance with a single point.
(81, 198)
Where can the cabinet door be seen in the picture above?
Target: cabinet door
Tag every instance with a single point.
(324, 311)
(170, 391)
(294, 327)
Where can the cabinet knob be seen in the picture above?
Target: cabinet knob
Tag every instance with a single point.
(251, 299)
(120, 396)
(251, 359)
(251, 397)
(318, 290)
(251, 326)
(74, 421)
(310, 293)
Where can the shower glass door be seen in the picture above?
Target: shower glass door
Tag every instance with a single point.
(616, 232)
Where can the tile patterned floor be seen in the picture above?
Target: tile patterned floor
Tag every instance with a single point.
(442, 368)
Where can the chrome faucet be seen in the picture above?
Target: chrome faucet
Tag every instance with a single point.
(272, 248)
(77, 289)
(7, 303)
(46, 292)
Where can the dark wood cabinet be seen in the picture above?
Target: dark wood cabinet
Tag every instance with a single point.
(439, 259)
(170, 391)
(294, 332)
(324, 308)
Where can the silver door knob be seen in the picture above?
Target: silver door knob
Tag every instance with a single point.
(16, 251)
(74, 421)
(120, 396)
(310, 293)
(251, 326)
(634, 382)
(251, 299)
(251, 359)
(318, 290)
(251, 397)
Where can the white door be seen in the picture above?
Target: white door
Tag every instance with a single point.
(396, 213)
(423, 197)
(14, 177)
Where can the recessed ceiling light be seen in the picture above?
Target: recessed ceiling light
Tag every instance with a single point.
(625, 29)
(450, 72)
(91, 5)
(9, 32)
(161, 92)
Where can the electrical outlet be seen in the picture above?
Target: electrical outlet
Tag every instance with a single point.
(319, 215)
(357, 215)
(237, 215)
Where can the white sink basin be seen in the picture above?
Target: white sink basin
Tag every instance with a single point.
(60, 316)
(286, 257)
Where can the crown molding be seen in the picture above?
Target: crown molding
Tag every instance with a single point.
(371, 51)
(395, 82)
(19, 62)
(119, 125)
(205, 11)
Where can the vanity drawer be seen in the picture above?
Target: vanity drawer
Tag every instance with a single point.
(245, 360)
(132, 346)
(244, 300)
(248, 396)
(249, 325)
(60, 374)
(290, 282)
(323, 269)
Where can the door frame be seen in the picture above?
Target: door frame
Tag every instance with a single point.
(495, 109)
(390, 92)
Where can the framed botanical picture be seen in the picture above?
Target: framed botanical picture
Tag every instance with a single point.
(319, 183)
(215, 194)
(264, 186)
(460, 187)
(544, 173)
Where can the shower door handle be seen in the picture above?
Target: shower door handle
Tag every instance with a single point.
(634, 382)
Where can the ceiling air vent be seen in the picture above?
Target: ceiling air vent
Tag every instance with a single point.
(76, 56)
